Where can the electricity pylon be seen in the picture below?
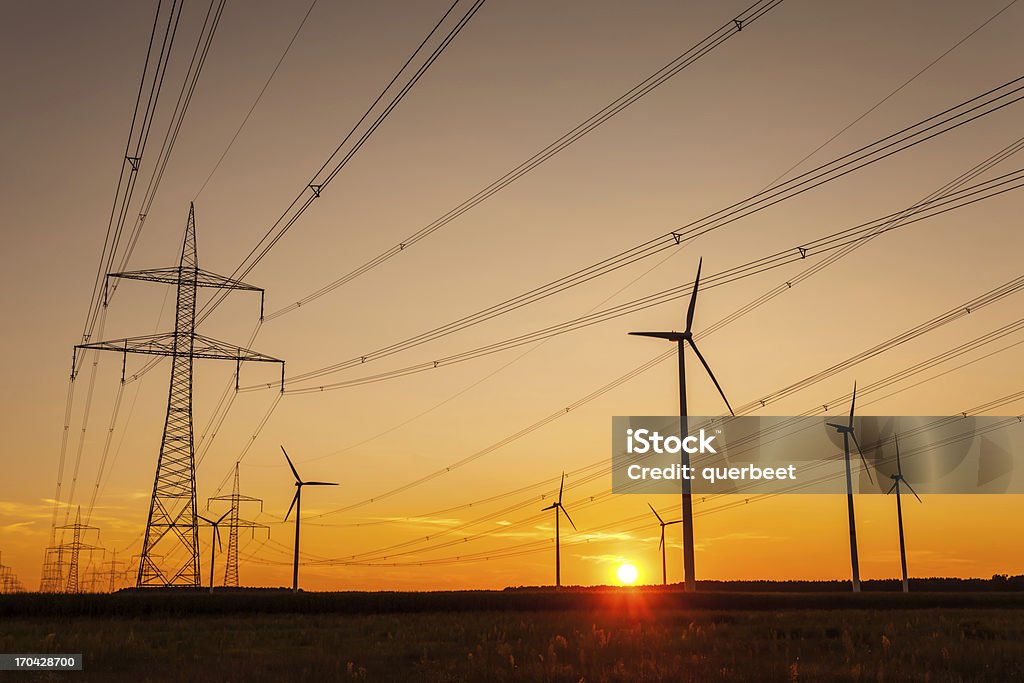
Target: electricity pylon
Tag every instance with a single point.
(172, 528)
(9, 582)
(53, 570)
(75, 549)
(234, 524)
(114, 572)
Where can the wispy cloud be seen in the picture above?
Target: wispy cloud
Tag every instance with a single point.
(420, 521)
(602, 559)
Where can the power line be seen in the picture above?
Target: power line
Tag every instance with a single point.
(535, 546)
(259, 97)
(945, 121)
(836, 241)
(781, 175)
(953, 314)
(896, 91)
(644, 87)
(188, 87)
(395, 550)
(133, 157)
(320, 180)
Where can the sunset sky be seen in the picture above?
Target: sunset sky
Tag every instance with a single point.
(517, 77)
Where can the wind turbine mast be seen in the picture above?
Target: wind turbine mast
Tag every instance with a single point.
(559, 508)
(661, 543)
(896, 479)
(682, 339)
(297, 504)
(214, 541)
(848, 433)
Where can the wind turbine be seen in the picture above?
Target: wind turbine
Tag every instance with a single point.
(214, 537)
(848, 433)
(297, 504)
(896, 479)
(681, 339)
(661, 543)
(558, 507)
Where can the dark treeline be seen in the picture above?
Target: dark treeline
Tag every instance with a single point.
(1002, 592)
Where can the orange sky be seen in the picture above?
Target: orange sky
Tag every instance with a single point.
(520, 75)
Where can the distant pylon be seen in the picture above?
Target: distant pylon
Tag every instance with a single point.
(53, 570)
(235, 523)
(172, 528)
(114, 572)
(9, 582)
(75, 548)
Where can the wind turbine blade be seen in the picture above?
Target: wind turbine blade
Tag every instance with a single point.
(216, 533)
(671, 336)
(661, 543)
(222, 517)
(853, 403)
(656, 513)
(205, 519)
(693, 297)
(862, 458)
(297, 477)
(292, 505)
(907, 484)
(549, 507)
(711, 374)
(678, 521)
(319, 483)
(567, 516)
(899, 466)
(891, 489)
(560, 487)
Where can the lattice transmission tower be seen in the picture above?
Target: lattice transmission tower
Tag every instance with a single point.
(170, 548)
(74, 548)
(235, 523)
(9, 582)
(52, 580)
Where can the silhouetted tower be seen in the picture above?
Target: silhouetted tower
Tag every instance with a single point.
(172, 529)
(75, 548)
(9, 582)
(235, 522)
(681, 339)
(53, 569)
(114, 572)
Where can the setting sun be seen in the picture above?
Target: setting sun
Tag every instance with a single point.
(627, 574)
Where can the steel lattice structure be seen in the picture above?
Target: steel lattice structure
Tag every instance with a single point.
(75, 549)
(234, 524)
(170, 550)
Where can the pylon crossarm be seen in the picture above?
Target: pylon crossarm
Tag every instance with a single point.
(239, 497)
(163, 345)
(169, 276)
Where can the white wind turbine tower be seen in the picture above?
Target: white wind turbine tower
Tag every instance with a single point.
(559, 508)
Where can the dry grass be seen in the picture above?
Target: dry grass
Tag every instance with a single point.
(629, 642)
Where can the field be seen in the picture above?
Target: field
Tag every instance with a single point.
(594, 635)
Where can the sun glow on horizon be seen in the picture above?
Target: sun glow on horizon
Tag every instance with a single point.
(627, 574)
